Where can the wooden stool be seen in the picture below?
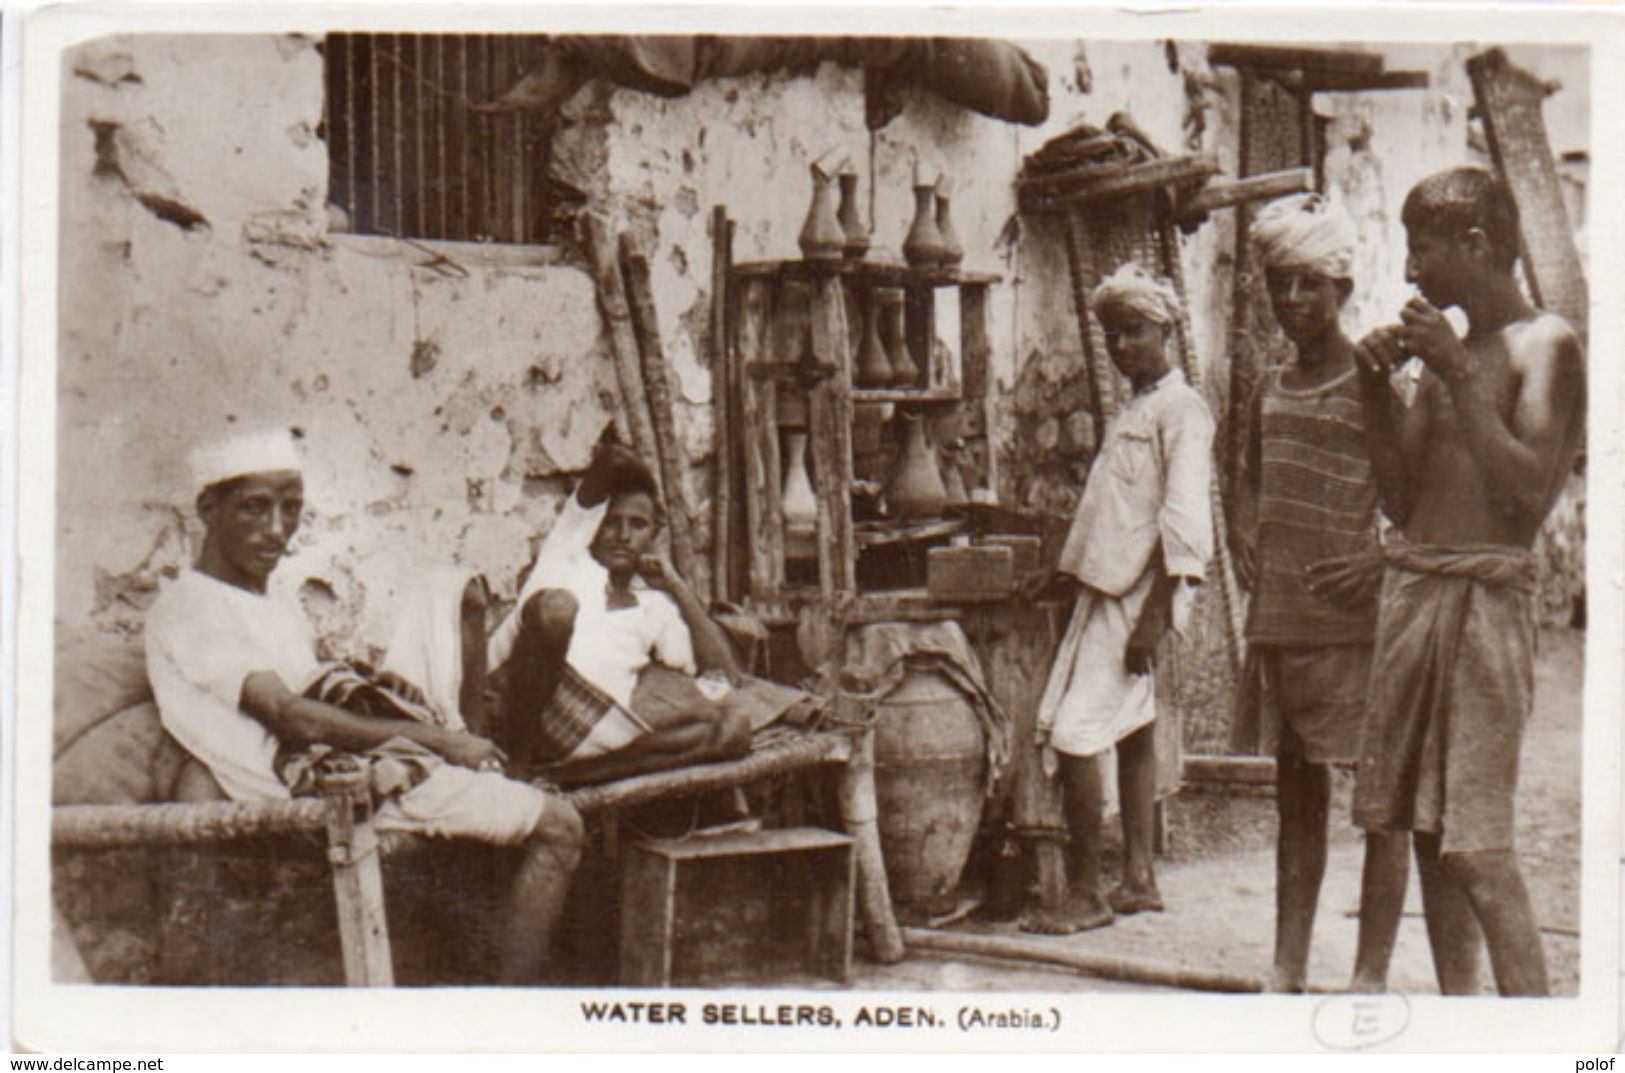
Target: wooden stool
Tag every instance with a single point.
(739, 907)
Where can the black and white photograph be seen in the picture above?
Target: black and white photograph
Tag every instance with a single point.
(717, 531)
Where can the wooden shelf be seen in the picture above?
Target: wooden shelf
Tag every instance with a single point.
(875, 273)
(883, 534)
(935, 395)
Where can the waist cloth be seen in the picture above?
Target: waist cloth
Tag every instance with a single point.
(1452, 688)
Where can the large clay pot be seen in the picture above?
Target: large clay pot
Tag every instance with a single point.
(930, 783)
(916, 491)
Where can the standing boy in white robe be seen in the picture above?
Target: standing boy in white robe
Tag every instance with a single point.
(1139, 545)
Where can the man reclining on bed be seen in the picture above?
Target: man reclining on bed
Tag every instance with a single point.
(597, 664)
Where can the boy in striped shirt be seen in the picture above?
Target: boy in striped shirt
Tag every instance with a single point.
(1306, 547)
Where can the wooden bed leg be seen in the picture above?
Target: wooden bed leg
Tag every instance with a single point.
(358, 882)
(859, 814)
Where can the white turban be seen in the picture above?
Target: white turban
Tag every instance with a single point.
(1132, 288)
(1307, 232)
(241, 454)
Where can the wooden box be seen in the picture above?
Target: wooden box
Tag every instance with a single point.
(740, 907)
(985, 572)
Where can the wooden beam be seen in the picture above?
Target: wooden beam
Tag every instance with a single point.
(1088, 186)
(1221, 193)
(1341, 82)
(1316, 61)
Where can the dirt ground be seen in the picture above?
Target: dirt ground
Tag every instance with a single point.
(1218, 879)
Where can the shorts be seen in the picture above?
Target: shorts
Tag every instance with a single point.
(1305, 703)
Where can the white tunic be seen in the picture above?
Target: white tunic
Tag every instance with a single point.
(1149, 486)
(204, 637)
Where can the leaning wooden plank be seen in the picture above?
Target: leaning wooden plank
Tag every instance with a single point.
(657, 390)
(1509, 99)
(759, 432)
(632, 418)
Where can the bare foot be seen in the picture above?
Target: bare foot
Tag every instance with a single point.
(1078, 914)
(1362, 985)
(1127, 900)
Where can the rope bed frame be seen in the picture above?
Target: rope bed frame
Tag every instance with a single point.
(354, 847)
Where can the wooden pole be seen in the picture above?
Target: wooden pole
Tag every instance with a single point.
(1050, 952)
(723, 393)
(632, 417)
(1235, 615)
(860, 816)
(657, 391)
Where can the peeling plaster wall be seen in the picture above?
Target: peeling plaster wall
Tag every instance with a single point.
(443, 405)
(438, 406)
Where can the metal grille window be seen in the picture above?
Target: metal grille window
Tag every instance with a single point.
(409, 154)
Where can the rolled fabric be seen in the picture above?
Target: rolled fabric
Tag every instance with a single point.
(1306, 231)
(1132, 287)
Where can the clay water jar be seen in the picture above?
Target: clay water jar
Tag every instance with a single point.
(930, 785)
(873, 368)
(855, 243)
(821, 237)
(915, 491)
(922, 248)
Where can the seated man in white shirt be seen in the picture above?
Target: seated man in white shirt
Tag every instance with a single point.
(586, 659)
(233, 670)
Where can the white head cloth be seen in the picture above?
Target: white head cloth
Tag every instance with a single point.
(241, 454)
(1308, 232)
(1132, 287)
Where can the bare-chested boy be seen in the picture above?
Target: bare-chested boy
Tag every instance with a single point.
(1468, 473)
